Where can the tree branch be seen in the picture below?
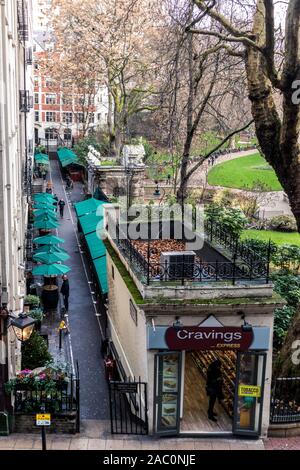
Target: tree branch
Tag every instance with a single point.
(217, 147)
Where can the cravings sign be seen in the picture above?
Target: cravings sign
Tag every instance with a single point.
(203, 338)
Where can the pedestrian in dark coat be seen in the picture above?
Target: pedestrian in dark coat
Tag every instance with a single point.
(214, 387)
(65, 291)
(61, 205)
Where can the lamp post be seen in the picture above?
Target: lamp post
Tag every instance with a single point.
(157, 193)
(23, 326)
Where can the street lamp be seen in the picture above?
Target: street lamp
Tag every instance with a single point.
(22, 325)
(157, 193)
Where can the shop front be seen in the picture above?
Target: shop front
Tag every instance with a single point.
(184, 402)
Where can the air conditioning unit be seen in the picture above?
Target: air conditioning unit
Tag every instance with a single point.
(178, 264)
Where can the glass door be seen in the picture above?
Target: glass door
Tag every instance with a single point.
(167, 389)
(249, 393)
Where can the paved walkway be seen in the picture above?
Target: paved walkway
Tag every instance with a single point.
(94, 436)
(85, 338)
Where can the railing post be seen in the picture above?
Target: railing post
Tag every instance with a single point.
(217, 269)
(148, 262)
(234, 269)
(268, 262)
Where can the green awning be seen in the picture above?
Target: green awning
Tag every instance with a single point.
(95, 245)
(90, 222)
(67, 157)
(88, 206)
(41, 158)
(101, 272)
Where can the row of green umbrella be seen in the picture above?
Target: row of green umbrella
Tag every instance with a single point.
(45, 217)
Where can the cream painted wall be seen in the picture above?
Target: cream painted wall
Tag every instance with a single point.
(129, 339)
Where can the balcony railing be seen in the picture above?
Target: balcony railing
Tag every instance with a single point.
(184, 272)
(29, 56)
(22, 20)
(26, 101)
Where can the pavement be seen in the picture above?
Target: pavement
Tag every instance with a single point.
(86, 331)
(95, 435)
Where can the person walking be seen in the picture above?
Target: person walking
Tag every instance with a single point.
(214, 384)
(65, 291)
(61, 205)
(55, 202)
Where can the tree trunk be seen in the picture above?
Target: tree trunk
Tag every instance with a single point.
(284, 365)
(231, 143)
(278, 141)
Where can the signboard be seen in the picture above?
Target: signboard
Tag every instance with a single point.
(205, 338)
(126, 387)
(43, 419)
(249, 391)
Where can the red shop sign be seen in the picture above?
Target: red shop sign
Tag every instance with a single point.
(197, 338)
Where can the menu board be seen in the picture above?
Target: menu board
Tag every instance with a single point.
(169, 391)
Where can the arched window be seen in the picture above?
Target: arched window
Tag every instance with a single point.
(67, 134)
(50, 133)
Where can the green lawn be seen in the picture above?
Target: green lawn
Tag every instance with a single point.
(277, 237)
(245, 173)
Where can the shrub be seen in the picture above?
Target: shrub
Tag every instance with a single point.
(260, 247)
(231, 219)
(287, 258)
(283, 223)
(32, 300)
(36, 314)
(282, 321)
(35, 353)
(288, 286)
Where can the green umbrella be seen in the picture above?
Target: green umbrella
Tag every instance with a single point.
(48, 240)
(43, 205)
(50, 270)
(50, 258)
(45, 215)
(46, 196)
(46, 223)
(41, 212)
(49, 249)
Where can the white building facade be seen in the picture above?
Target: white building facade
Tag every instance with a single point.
(16, 149)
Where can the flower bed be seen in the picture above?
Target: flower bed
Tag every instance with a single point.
(48, 378)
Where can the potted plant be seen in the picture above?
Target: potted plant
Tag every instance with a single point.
(32, 301)
(38, 315)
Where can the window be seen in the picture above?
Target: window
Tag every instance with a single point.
(50, 116)
(48, 83)
(92, 118)
(50, 98)
(50, 134)
(36, 98)
(99, 116)
(36, 81)
(67, 134)
(67, 118)
(36, 66)
(66, 100)
(80, 117)
(36, 116)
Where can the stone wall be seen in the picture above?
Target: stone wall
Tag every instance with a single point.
(61, 423)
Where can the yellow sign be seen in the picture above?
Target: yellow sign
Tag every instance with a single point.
(62, 325)
(43, 419)
(249, 391)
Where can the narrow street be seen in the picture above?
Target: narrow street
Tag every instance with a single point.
(85, 328)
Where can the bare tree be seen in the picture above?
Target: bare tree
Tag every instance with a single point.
(269, 71)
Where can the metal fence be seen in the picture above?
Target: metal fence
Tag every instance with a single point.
(195, 272)
(285, 401)
(128, 407)
(66, 398)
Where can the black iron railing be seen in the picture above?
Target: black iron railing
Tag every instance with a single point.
(22, 20)
(236, 247)
(198, 271)
(285, 401)
(65, 398)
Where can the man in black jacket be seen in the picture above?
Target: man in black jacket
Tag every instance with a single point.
(65, 291)
(214, 387)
